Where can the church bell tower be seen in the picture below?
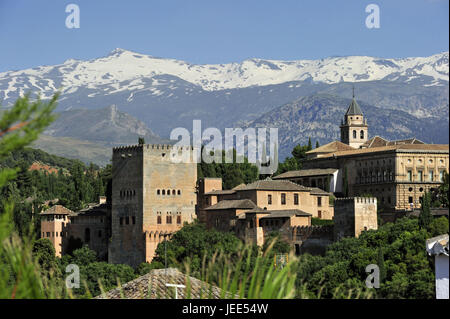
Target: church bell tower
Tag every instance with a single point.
(354, 128)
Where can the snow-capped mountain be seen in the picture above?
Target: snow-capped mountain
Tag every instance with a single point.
(166, 93)
(126, 71)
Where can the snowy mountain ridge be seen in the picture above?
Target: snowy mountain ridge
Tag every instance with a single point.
(124, 70)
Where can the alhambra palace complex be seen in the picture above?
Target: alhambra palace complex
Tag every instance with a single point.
(152, 196)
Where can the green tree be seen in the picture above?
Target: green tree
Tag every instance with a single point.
(443, 191)
(44, 252)
(381, 266)
(425, 217)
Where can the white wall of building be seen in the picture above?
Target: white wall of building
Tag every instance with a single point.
(441, 262)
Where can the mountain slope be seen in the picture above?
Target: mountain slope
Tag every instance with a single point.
(107, 126)
(71, 148)
(319, 117)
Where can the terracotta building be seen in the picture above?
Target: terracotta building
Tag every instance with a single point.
(220, 208)
(68, 230)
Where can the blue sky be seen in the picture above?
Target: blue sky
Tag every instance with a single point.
(33, 32)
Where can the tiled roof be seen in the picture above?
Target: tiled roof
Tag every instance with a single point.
(275, 185)
(331, 147)
(419, 148)
(57, 210)
(153, 286)
(92, 210)
(233, 204)
(407, 141)
(318, 191)
(378, 141)
(353, 108)
(306, 172)
(221, 192)
(375, 141)
(286, 213)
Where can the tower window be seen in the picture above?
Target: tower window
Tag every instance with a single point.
(354, 133)
(269, 199)
(361, 134)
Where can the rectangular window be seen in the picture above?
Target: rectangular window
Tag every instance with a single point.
(133, 219)
(283, 199)
(127, 220)
(295, 199)
(168, 219)
(178, 219)
(430, 175)
(441, 176)
(319, 201)
(410, 199)
(420, 176)
(158, 219)
(269, 199)
(61, 234)
(48, 234)
(410, 175)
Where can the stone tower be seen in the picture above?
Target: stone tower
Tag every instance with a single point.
(354, 215)
(354, 128)
(152, 196)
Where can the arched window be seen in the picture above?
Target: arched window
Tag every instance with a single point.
(168, 192)
(158, 192)
(179, 192)
(163, 192)
(361, 134)
(354, 133)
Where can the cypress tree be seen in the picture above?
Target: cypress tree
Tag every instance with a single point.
(425, 217)
(309, 144)
(381, 266)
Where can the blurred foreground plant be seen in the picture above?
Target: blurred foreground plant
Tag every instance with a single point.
(20, 274)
